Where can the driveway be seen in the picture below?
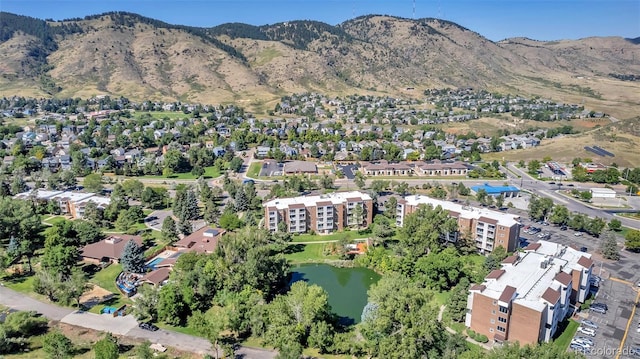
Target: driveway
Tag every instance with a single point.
(154, 219)
(126, 326)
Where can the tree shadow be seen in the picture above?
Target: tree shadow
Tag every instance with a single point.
(295, 248)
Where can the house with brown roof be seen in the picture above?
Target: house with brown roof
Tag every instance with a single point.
(109, 249)
(386, 168)
(204, 240)
(157, 277)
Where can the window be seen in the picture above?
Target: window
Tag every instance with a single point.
(504, 309)
(495, 302)
(493, 312)
(502, 320)
(492, 321)
(490, 330)
(501, 329)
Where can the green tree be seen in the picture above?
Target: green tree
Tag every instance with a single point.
(559, 214)
(106, 348)
(175, 162)
(359, 180)
(402, 188)
(402, 322)
(210, 324)
(57, 346)
(457, 304)
(133, 188)
(125, 222)
(132, 258)
(423, 230)
(632, 240)
(143, 351)
(326, 182)
(93, 183)
(146, 304)
(169, 230)
(595, 226)
(481, 196)
(539, 208)
(236, 164)
(463, 190)
(230, 221)
(609, 246)
(533, 167)
(615, 224)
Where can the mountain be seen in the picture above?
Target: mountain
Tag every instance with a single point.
(142, 58)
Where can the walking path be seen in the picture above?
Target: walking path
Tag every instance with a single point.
(483, 345)
(125, 326)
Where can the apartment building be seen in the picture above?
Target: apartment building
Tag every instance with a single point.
(71, 203)
(322, 214)
(530, 295)
(489, 229)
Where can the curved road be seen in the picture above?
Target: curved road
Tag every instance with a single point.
(125, 326)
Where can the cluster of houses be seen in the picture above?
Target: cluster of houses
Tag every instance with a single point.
(110, 249)
(419, 168)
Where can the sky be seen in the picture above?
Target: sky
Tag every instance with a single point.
(494, 19)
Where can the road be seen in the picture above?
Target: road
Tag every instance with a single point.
(125, 326)
(544, 189)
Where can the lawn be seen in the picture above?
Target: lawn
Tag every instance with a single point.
(53, 220)
(106, 278)
(350, 235)
(307, 253)
(209, 172)
(441, 298)
(254, 169)
(162, 114)
(184, 330)
(570, 328)
(22, 284)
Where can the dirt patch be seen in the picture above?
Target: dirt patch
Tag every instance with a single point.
(95, 296)
(84, 337)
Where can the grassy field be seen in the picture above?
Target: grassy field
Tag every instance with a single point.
(350, 235)
(51, 220)
(209, 172)
(162, 114)
(21, 284)
(254, 169)
(307, 253)
(569, 331)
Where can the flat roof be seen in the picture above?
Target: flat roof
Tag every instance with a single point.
(74, 196)
(40, 194)
(532, 280)
(333, 198)
(503, 219)
(602, 190)
(495, 189)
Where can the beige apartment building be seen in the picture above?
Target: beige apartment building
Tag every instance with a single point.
(530, 295)
(489, 229)
(322, 214)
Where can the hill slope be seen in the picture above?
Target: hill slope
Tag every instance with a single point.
(127, 54)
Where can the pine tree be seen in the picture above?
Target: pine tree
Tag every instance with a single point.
(609, 247)
(132, 258)
(169, 230)
(185, 227)
(190, 209)
(241, 200)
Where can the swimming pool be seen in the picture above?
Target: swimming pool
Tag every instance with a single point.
(154, 263)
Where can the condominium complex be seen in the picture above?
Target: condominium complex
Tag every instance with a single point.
(323, 214)
(489, 229)
(530, 295)
(70, 202)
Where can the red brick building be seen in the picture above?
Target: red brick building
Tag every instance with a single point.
(489, 229)
(322, 214)
(530, 295)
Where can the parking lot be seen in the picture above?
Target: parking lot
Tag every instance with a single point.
(617, 291)
(349, 171)
(620, 298)
(271, 168)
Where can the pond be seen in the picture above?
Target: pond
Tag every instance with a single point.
(346, 287)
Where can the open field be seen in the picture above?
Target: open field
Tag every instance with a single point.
(349, 235)
(254, 169)
(307, 253)
(209, 172)
(566, 148)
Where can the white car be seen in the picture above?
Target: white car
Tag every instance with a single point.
(587, 331)
(584, 343)
(578, 234)
(589, 323)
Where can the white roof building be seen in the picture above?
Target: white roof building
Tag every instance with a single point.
(334, 198)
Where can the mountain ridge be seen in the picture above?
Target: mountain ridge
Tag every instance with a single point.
(128, 54)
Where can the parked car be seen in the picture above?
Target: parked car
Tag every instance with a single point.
(148, 326)
(588, 323)
(578, 234)
(563, 228)
(578, 347)
(587, 331)
(601, 305)
(583, 249)
(598, 310)
(581, 342)
(585, 340)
